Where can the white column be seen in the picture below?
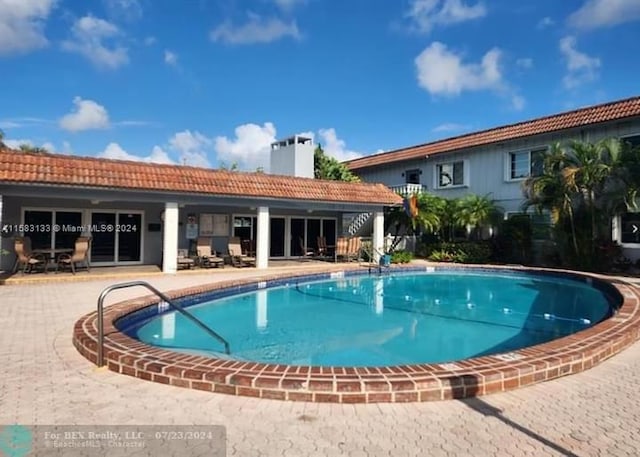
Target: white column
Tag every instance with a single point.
(170, 240)
(262, 243)
(378, 235)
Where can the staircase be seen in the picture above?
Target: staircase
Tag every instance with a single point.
(357, 223)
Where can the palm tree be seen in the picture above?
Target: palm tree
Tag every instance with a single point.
(475, 212)
(550, 192)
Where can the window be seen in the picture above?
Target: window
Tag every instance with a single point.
(630, 228)
(523, 164)
(541, 224)
(633, 141)
(412, 176)
(450, 174)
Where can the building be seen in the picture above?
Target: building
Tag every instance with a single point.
(496, 161)
(142, 213)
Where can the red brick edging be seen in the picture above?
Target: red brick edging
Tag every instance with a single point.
(404, 383)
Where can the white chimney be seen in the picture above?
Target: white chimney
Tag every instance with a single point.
(292, 157)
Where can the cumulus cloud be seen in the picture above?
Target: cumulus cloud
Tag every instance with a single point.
(98, 41)
(605, 13)
(86, 115)
(170, 58)
(441, 71)
(581, 68)
(22, 25)
(115, 151)
(426, 14)
(192, 147)
(250, 147)
(256, 30)
(336, 147)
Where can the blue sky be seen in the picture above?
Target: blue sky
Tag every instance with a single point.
(210, 82)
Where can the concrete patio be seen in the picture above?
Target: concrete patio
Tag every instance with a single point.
(45, 381)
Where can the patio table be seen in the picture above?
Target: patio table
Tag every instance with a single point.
(51, 254)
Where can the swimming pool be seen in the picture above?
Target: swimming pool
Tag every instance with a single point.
(405, 318)
(493, 366)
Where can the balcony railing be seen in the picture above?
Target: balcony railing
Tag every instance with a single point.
(408, 189)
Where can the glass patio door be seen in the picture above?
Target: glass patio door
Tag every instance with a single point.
(116, 237)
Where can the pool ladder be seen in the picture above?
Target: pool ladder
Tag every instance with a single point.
(165, 299)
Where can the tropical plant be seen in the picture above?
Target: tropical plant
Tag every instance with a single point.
(583, 185)
(475, 212)
(326, 167)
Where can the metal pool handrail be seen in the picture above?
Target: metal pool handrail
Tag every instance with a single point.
(164, 298)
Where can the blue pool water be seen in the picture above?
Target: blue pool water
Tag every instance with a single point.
(389, 320)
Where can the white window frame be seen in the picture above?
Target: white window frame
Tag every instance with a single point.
(465, 174)
(508, 159)
(617, 233)
(530, 215)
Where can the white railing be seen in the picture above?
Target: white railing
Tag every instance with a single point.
(408, 189)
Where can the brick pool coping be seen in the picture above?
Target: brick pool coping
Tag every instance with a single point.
(403, 383)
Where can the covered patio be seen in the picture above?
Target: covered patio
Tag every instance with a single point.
(141, 214)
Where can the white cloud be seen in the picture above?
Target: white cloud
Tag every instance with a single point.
(255, 30)
(545, 22)
(22, 25)
(97, 40)
(426, 14)
(335, 147)
(115, 151)
(250, 148)
(441, 71)
(525, 63)
(124, 9)
(15, 144)
(450, 127)
(86, 115)
(581, 68)
(170, 58)
(150, 41)
(47, 145)
(605, 13)
(192, 148)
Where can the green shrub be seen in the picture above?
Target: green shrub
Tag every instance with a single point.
(461, 252)
(401, 257)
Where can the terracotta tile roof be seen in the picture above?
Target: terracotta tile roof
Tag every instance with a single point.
(585, 116)
(54, 169)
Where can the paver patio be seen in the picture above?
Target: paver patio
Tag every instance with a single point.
(44, 380)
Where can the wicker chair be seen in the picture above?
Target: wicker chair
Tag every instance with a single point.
(25, 259)
(80, 255)
(206, 257)
(238, 258)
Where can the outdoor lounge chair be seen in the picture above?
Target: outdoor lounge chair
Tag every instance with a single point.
(354, 248)
(305, 252)
(80, 255)
(206, 257)
(342, 249)
(184, 261)
(25, 258)
(238, 258)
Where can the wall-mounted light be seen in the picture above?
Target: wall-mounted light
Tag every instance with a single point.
(95, 202)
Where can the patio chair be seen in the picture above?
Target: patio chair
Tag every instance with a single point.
(305, 252)
(354, 248)
(342, 249)
(238, 258)
(206, 257)
(25, 258)
(80, 255)
(184, 261)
